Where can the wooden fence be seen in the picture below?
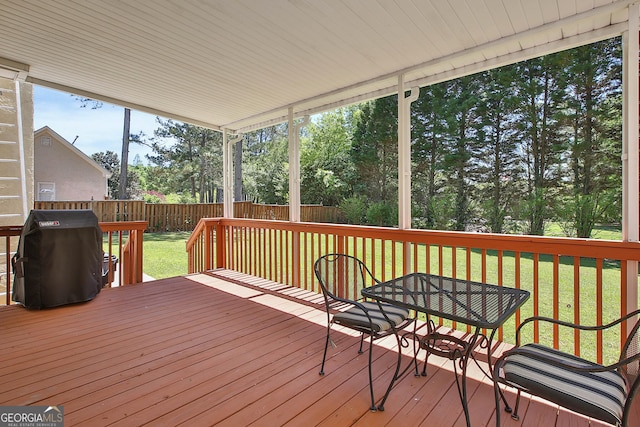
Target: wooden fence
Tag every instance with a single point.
(105, 210)
(184, 217)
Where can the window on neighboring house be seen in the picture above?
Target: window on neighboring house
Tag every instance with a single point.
(45, 141)
(46, 191)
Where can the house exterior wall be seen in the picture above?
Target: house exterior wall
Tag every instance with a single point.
(60, 168)
(26, 98)
(11, 180)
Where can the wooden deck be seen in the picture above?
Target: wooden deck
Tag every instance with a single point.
(222, 349)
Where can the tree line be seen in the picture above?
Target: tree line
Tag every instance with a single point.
(504, 151)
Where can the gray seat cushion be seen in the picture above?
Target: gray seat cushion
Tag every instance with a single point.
(600, 395)
(355, 317)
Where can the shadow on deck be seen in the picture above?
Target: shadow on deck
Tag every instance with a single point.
(223, 348)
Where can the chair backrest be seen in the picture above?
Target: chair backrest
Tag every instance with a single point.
(631, 371)
(342, 277)
(631, 348)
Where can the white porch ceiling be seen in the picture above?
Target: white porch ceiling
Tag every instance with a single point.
(240, 64)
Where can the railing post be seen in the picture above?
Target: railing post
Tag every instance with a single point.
(137, 254)
(131, 262)
(126, 277)
(220, 238)
(207, 237)
(295, 254)
(8, 269)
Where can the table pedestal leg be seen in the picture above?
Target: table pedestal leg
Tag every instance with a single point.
(457, 350)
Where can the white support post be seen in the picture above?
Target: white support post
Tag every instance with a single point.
(404, 153)
(227, 175)
(294, 166)
(294, 175)
(630, 155)
(294, 191)
(404, 164)
(236, 155)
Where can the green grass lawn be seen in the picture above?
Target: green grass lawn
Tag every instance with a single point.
(165, 254)
(604, 232)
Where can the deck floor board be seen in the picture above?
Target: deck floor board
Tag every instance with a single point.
(223, 348)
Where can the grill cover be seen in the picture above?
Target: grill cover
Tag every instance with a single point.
(59, 259)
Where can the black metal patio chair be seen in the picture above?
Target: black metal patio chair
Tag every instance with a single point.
(602, 392)
(342, 277)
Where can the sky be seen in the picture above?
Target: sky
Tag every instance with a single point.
(97, 130)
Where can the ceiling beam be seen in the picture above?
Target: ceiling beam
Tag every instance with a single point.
(610, 31)
(13, 70)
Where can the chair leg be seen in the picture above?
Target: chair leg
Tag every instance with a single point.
(324, 356)
(497, 398)
(515, 415)
(426, 360)
(416, 349)
(373, 401)
(431, 327)
(361, 342)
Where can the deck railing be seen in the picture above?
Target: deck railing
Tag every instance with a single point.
(578, 280)
(123, 241)
(10, 234)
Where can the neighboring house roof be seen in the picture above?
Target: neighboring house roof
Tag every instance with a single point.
(72, 148)
(241, 65)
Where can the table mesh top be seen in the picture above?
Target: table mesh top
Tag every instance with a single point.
(473, 303)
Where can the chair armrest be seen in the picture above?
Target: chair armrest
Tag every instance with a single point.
(540, 319)
(357, 302)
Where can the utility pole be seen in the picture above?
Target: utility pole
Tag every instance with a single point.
(124, 161)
